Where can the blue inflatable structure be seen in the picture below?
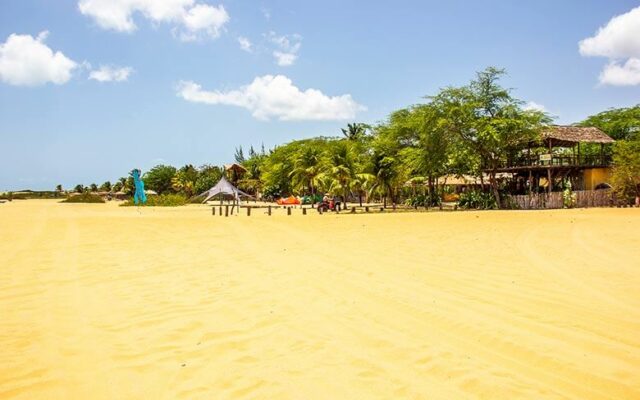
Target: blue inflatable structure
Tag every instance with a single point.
(138, 197)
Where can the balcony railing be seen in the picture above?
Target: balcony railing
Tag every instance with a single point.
(546, 160)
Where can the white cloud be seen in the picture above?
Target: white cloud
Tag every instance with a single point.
(191, 20)
(617, 74)
(618, 40)
(245, 44)
(108, 73)
(533, 106)
(27, 61)
(276, 97)
(284, 59)
(287, 48)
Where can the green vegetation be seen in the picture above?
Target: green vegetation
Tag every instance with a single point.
(85, 197)
(406, 158)
(163, 200)
(626, 169)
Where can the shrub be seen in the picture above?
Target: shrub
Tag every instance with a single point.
(84, 198)
(421, 200)
(163, 200)
(478, 200)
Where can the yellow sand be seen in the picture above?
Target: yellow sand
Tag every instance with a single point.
(106, 302)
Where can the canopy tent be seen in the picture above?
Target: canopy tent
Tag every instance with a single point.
(224, 187)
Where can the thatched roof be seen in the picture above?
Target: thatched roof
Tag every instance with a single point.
(234, 167)
(570, 135)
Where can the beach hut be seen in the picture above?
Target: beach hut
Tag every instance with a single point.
(559, 157)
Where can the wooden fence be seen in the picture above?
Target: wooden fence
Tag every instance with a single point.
(582, 199)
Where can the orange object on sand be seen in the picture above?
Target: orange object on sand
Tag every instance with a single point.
(288, 201)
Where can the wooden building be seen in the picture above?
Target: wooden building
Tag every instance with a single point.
(561, 156)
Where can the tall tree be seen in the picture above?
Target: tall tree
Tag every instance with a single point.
(160, 178)
(308, 164)
(239, 155)
(343, 167)
(488, 120)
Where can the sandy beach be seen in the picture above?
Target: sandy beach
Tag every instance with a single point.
(107, 302)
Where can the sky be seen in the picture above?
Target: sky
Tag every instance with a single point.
(90, 89)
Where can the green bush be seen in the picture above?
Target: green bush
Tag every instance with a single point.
(84, 198)
(163, 200)
(422, 200)
(478, 200)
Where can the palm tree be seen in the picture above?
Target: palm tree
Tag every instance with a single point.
(385, 171)
(308, 165)
(355, 131)
(185, 179)
(343, 161)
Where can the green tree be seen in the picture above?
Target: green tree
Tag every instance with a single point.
(619, 123)
(308, 165)
(105, 187)
(93, 187)
(208, 176)
(487, 119)
(239, 155)
(355, 132)
(344, 166)
(59, 188)
(184, 180)
(625, 177)
(79, 188)
(160, 178)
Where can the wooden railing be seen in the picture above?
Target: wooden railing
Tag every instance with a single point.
(543, 160)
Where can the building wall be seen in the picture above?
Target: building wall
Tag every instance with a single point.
(595, 176)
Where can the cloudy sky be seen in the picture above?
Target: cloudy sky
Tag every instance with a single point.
(90, 89)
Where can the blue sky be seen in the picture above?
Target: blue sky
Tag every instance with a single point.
(169, 82)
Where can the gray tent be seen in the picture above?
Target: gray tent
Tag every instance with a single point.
(224, 187)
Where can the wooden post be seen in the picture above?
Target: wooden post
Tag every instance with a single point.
(381, 209)
(269, 210)
(226, 210)
(366, 209)
(221, 211)
(320, 210)
(248, 211)
(288, 210)
(304, 211)
(353, 210)
(213, 211)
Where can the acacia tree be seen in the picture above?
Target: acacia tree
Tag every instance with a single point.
(619, 123)
(487, 119)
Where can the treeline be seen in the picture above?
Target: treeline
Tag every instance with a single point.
(459, 131)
